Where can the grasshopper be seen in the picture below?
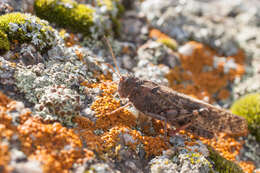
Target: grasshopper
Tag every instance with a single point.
(177, 109)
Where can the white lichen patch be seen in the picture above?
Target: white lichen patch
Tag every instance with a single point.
(228, 63)
(26, 82)
(16, 109)
(59, 103)
(6, 71)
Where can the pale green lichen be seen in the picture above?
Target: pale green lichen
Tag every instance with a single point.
(32, 83)
(223, 165)
(68, 72)
(181, 161)
(25, 81)
(249, 108)
(59, 103)
(196, 158)
(66, 13)
(25, 28)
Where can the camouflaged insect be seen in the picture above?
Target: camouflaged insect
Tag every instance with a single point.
(179, 110)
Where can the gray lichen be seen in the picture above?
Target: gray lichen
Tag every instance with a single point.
(7, 70)
(58, 103)
(155, 61)
(173, 161)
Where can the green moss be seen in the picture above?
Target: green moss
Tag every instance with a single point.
(249, 108)
(24, 28)
(17, 18)
(5, 28)
(66, 13)
(223, 165)
(4, 42)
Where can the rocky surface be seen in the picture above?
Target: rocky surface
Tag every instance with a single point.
(57, 87)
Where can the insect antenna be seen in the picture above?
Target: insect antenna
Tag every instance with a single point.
(114, 58)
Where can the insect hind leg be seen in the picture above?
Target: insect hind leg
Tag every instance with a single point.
(165, 119)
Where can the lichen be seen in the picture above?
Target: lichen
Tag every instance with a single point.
(25, 28)
(59, 103)
(32, 81)
(203, 73)
(7, 70)
(66, 13)
(56, 148)
(25, 81)
(181, 160)
(248, 106)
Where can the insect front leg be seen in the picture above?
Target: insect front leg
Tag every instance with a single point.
(120, 108)
(159, 117)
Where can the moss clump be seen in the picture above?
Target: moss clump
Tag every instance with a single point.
(4, 42)
(249, 107)
(66, 13)
(25, 28)
(221, 164)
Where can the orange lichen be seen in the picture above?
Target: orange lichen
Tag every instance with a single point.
(197, 75)
(4, 100)
(56, 147)
(79, 55)
(154, 145)
(4, 154)
(223, 94)
(247, 166)
(191, 78)
(226, 145)
(122, 122)
(103, 106)
(6, 133)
